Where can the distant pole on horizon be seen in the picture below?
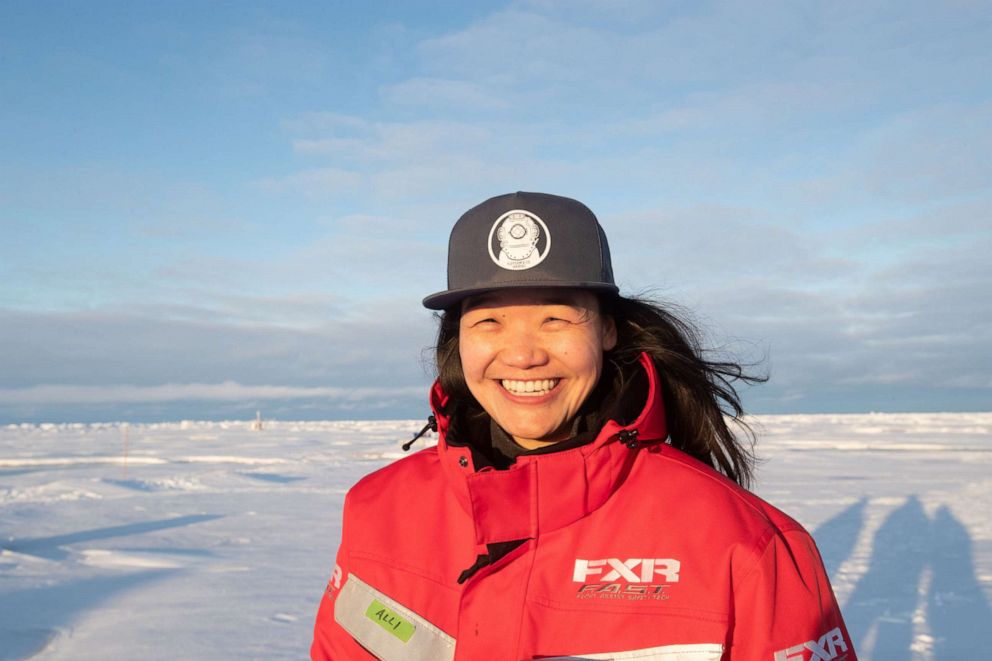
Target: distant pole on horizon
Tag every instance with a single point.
(256, 424)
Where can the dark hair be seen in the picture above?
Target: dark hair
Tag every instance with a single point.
(697, 392)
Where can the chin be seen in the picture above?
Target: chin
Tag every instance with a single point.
(540, 434)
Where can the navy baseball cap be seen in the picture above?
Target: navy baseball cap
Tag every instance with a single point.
(525, 240)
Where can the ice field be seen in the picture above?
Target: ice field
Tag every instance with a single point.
(213, 541)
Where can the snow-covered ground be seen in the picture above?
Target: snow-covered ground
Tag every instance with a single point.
(213, 541)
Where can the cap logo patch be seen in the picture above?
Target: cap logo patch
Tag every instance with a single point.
(519, 240)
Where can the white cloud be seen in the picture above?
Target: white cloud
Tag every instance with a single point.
(917, 156)
(314, 182)
(408, 142)
(377, 342)
(323, 121)
(435, 92)
(260, 59)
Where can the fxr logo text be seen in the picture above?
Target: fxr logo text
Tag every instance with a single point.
(827, 648)
(646, 569)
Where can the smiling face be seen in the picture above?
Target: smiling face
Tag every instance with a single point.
(531, 357)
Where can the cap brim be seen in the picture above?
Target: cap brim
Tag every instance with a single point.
(445, 300)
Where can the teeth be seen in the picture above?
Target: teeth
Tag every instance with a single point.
(533, 388)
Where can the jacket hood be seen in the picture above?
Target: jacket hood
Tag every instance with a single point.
(545, 492)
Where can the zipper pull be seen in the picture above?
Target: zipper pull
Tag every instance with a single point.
(431, 424)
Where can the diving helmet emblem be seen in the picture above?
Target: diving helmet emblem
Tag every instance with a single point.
(518, 241)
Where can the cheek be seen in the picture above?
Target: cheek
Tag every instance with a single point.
(472, 356)
(583, 357)
(591, 361)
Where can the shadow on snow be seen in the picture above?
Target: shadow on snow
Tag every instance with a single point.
(33, 617)
(911, 553)
(50, 548)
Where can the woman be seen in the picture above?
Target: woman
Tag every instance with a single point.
(585, 499)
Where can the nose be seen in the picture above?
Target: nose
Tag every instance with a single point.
(522, 350)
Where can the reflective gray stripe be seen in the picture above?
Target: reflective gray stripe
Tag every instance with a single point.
(428, 643)
(701, 652)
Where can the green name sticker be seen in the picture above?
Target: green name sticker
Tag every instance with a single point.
(389, 620)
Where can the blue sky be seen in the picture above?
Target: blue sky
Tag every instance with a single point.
(209, 208)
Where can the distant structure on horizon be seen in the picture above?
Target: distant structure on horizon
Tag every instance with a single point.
(256, 424)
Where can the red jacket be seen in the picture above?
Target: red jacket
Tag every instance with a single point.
(630, 553)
